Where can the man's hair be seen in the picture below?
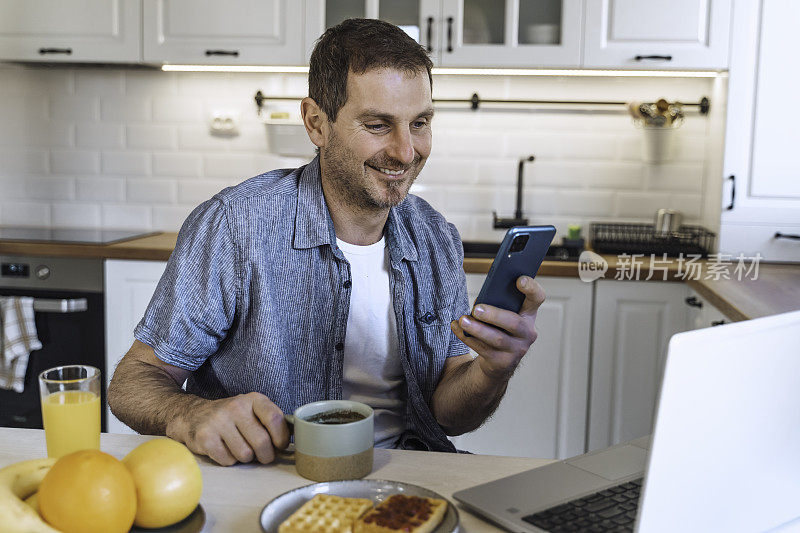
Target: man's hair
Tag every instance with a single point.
(359, 45)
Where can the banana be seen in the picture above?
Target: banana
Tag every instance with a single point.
(17, 482)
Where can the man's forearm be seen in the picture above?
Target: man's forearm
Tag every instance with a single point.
(147, 398)
(466, 397)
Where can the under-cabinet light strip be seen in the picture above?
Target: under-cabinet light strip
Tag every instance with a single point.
(469, 71)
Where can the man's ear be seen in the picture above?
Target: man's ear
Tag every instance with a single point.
(316, 122)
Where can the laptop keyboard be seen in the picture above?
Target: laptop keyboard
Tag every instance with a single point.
(611, 509)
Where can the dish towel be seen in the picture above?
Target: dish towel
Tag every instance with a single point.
(17, 340)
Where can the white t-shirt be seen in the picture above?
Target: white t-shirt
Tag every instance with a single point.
(373, 373)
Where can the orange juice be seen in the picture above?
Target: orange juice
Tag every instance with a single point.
(71, 422)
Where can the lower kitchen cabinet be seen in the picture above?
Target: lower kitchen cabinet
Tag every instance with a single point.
(702, 314)
(129, 287)
(633, 322)
(543, 413)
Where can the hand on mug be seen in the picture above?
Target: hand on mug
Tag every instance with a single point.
(241, 428)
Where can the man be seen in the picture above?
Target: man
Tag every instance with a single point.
(325, 281)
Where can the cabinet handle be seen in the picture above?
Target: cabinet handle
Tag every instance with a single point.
(45, 51)
(234, 53)
(733, 192)
(789, 236)
(449, 34)
(694, 302)
(430, 34)
(658, 58)
(717, 322)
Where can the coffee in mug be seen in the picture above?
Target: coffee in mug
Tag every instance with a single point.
(333, 440)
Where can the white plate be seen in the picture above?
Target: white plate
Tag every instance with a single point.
(376, 490)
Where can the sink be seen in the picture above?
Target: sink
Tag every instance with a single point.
(487, 250)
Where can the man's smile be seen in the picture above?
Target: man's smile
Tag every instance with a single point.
(389, 173)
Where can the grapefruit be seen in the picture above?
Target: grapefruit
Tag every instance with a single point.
(168, 482)
(88, 491)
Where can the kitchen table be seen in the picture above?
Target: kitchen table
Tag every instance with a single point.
(234, 496)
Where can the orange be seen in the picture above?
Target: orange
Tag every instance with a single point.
(88, 491)
(168, 482)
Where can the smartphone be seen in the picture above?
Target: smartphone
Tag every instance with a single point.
(521, 254)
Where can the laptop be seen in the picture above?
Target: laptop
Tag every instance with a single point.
(724, 454)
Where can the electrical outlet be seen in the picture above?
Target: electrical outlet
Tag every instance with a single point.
(224, 123)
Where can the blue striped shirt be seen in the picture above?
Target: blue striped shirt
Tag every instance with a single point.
(255, 297)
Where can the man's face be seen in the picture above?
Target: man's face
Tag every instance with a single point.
(381, 138)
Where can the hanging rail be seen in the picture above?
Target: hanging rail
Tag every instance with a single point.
(703, 105)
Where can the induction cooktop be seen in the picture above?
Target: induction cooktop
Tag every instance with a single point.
(69, 235)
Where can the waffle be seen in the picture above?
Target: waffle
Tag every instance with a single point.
(410, 514)
(325, 513)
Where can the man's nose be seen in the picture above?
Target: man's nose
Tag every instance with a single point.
(401, 146)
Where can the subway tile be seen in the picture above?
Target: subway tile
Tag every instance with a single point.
(198, 191)
(26, 80)
(177, 164)
(192, 84)
(541, 202)
(171, 217)
(251, 138)
(198, 137)
(100, 82)
(123, 216)
(25, 214)
(229, 166)
(640, 204)
(177, 109)
(675, 177)
(538, 145)
(76, 215)
(150, 191)
(146, 83)
(50, 188)
(473, 145)
(690, 148)
(95, 135)
(41, 134)
(592, 174)
(690, 205)
(586, 203)
(500, 172)
(74, 109)
(151, 137)
(12, 188)
(587, 146)
(74, 162)
(17, 110)
(101, 189)
(126, 163)
(444, 170)
(24, 161)
(126, 110)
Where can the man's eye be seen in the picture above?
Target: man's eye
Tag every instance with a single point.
(376, 127)
(420, 124)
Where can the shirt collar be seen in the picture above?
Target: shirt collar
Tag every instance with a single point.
(313, 224)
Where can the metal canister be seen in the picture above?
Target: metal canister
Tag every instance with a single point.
(667, 221)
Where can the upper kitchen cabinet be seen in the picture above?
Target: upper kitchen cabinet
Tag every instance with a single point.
(510, 33)
(234, 32)
(419, 18)
(70, 30)
(761, 209)
(674, 34)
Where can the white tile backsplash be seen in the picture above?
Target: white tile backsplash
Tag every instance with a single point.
(123, 148)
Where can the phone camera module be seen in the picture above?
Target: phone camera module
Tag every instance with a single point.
(518, 244)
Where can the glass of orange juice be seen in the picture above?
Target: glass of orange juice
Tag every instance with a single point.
(70, 408)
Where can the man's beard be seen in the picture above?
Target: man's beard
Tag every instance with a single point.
(350, 178)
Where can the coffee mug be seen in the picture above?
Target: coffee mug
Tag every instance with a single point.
(333, 440)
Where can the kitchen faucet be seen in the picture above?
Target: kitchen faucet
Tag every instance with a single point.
(518, 220)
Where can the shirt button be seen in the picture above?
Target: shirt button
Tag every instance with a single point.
(340, 346)
(347, 284)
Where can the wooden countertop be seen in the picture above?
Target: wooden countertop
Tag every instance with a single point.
(156, 247)
(776, 290)
(234, 496)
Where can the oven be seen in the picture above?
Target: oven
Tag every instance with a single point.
(69, 311)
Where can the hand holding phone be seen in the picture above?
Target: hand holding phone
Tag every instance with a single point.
(501, 327)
